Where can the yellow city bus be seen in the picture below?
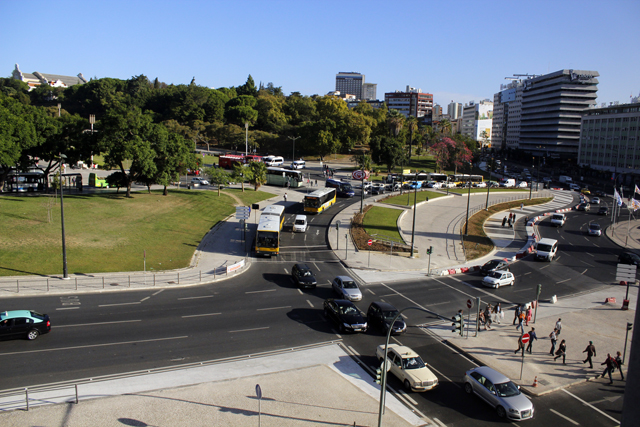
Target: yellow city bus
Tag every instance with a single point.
(269, 228)
(319, 200)
(96, 181)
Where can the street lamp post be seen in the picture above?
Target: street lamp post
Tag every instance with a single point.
(486, 208)
(413, 228)
(246, 138)
(65, 272)
(293, 157)
(531, 185)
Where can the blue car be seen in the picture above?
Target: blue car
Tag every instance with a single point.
(415, 185)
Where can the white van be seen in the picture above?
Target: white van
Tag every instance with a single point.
(546, 249)
(558, 219)
(508, 182)
(298, 164)
(300, 224)
(273, 161)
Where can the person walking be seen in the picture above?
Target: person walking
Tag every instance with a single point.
(554, 341)
(498, 312)
(558, 327)
(521, 206)
(619, 363)
(611, 366)
(591, 352)
(528, 316)
(532, 336)
(520, 346)
(521, 321)
(504, 221)
(562, 352)
(516, 314)
(509, 220)
(285, 197)
(513, 221)
(487, 315)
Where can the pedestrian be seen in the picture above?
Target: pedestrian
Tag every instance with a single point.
(516, 315)
(520, 346)
(521, 318)
(528, 316)
(513, 221)
(619, 363)
(285, 197)
(483, 320)
(498, 312)
(509, 221)
(611, 366)
(521, 206)
(504, 221)
(561, 352)
(558, 327)
(532, 336)
(591, 352)
(487, 315)
(554, 340)
(316, 183)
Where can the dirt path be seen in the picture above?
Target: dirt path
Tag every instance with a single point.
(238, 201)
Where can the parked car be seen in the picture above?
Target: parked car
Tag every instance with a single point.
(499, 392)
(377, 189)
(584, 206)
(23, 324)
(300, 223)
(594, 229)
(574, 187)
(199, 181)
(345, 315)
(604, 210)
(408, 367)
(495, 279)
(347, 288)
(629, 258)
(522, 184)
(494, 264)
(303, 276)
(595, 200)
(380, 314)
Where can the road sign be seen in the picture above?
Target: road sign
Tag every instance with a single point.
(369, 242)
(360, 174)
(243, 212)
(337, 225)
(258, 391)
(525, 338)
(626, 273)
(469, 303)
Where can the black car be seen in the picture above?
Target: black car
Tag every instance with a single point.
(377, 189)
(303, 276)
(629, 258)
(380, 314)
(583, 207)
(346, 316)
(23, 324)
(494, 264)
(603, 210)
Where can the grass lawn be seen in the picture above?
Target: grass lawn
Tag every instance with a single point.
(407, 199)
(108, 232)
(383, 223)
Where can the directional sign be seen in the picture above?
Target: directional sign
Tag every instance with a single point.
(626, 273)
(369, 242)
(243, 212)
(525, 338)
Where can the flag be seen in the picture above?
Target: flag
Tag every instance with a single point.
(635, 205)
(617, 197)
(637, 189)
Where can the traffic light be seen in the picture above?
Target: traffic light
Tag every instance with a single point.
(430, 250)
(379, 375)
(629, 326)
(458, 324)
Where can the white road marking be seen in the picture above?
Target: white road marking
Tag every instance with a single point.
(204, 296)
(249, 330)
(528, 272)
(562, 281)
(286, 271)
(257, 292)
(200, 315)
(68, 308)
(300, 291)
(96, 324)
(440, 423)
(154, 294)
(591, 255)
(564, 416)
(408, 397)
(122, 303)
(316, 266)
(273, 308)
(144, 299)
(309, 302)
(94, 345)
(591, 406)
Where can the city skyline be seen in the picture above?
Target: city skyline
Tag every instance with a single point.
(301, 46)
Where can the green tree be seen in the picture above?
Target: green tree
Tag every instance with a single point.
(241, 110)
(387, 150)
(271, 117)
(258, 174)
(412, 126)
(249, 88)
(173, 156)
(218, 176)
(240, 173)
(363, 161)
(395, 120)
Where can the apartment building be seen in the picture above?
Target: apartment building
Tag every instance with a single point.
(412, 102)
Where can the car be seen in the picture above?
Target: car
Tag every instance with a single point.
(347, 288)
(584, 206)
(494, 264)
(499, 392)
(558, 219)
(629, 258)
(23, 323)
(392, 187)
(303, 276)
(495, 279)
(481, 185)
(522, 184)
(199, 181)
(380, 314)
(546, 249)
(408, 367)
(300, 223)
(604, 210)
(585, 191)
(377, 189)
(547, 179)
(595, 200)
(574, 187)
(594, 229)
(346, 316)
(599, 193)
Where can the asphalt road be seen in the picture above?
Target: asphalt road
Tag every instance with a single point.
(262, 310)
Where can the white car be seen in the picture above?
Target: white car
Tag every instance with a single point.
(408, 367)
(522, 184)
(347, 288)
(595, 229)
(497, 278)
(199, 181)
(481, 184)
(300, 224)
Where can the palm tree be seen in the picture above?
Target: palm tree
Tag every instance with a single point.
(445, 127)
(412, 125)
(395, 119)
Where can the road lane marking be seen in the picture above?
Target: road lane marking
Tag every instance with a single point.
(309, 302)
(528, 272)
(591, 406)
(200, 315)
(585, 270)
(122, 303)
(585, 262)
(316, 266)
(96, 324)
(257, 292)
(485, 292)
(591, 255)
(286, 271)
(68, 308)
(94, 345)
(154, 294)
(564, 416)
(541, 268)
(409, 398)
(438, 303)
(204, 296)
(249, 330)
(273, 308)
(562, 281)
(144, 299)
(300, 292)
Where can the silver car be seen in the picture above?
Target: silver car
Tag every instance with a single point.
(347, 288)
(498, 391)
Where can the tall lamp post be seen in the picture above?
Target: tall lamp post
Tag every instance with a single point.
(246, 138)
(466, 225)
(65, 272)
(486, 208)
(293, 156)
(413, 228)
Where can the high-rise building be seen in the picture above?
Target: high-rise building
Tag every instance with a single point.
(541, 114)
(454, 110)
(369, 91)
(410, 103)
(476, 119)
(350, 83)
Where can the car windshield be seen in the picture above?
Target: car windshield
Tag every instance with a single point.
(348, 310)
(349, 284)
(413, 363)
(544, 248)
(300, 221)
(595, 226)
(507, 389)
(389, 315)
(306, 273)
(495, 275)
(491, 265)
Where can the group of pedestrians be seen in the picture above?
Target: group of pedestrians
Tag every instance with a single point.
(611, 363)
(327, 172)
(510, 220)
(522, 315)
(491, 314)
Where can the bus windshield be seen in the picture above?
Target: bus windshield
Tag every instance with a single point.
(311, 202)
(267, 239)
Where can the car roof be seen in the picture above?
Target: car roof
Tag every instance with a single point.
(343, 302)
(303, 267)
(403, 350)
(15, 313)
(547, 241)
(345, 278)
(491, 374)
(384, 305)
(301, 217)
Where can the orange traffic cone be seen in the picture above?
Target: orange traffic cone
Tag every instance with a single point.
(535, 381)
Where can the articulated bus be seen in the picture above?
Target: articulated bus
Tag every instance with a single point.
(319, 200)
(438, 177)
(280, 176)
(269, 228)
(461, 179)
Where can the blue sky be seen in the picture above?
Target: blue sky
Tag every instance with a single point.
(456, 50)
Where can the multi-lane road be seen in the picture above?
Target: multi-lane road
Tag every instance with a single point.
(262, 310)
